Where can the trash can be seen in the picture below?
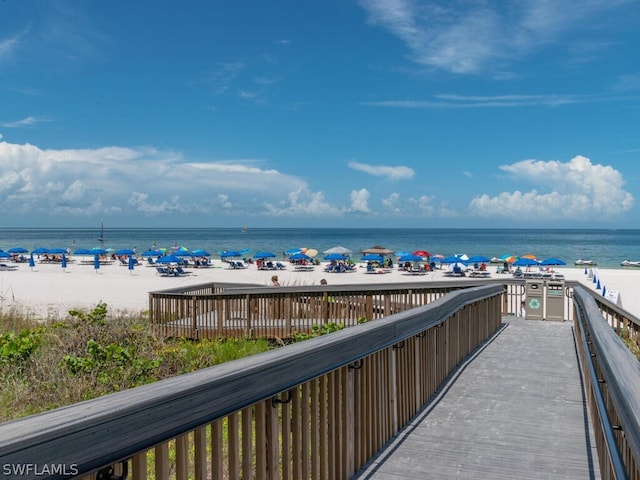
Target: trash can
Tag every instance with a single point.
(534, 299)
(555, 301)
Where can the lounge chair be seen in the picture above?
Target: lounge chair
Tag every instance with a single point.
(5, 267)
(164, 271)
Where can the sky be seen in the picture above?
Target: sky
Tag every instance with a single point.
(322, 113)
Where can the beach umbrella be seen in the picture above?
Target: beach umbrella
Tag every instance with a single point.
(479, 259)
(96, 263)
(182, 253)
(17, 250)
(453, 259)
(261, 255)
(200, 253)
(83, 251)
(57, 251)
(151, 253)
(5, 254)
(300, 256)
(553, 261)
(98, 251)
(461, 265)
(32, 262)
(311, 252)
(292, 251)
(410, 258)
(124, 251)
(335, 256)
(40, 251)
(338, 249)
(372, 257)
(169, 259)
(530, 256)
(131, 264)
(378, 249)
(508, 258)
(64, 262)
(422, 253)
(525, 262)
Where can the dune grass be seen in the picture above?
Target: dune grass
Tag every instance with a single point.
(48, 364)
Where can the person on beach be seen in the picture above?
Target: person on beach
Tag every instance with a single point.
(274, 281)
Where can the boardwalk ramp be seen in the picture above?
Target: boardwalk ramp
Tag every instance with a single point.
(515, 410)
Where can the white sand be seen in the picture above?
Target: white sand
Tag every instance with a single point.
(49, 291)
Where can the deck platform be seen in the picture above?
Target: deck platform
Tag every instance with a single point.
(516, 409)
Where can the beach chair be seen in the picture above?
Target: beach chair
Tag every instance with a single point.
(280, 266)
(5, 267)
(164, 271)
(181, 271)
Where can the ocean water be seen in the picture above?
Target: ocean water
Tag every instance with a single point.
(606, 247)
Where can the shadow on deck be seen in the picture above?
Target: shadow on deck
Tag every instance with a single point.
(515, 409)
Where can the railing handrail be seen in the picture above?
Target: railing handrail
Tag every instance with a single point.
(90, 434)
(619, 367)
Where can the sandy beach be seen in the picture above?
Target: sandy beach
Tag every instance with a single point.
(48, 291)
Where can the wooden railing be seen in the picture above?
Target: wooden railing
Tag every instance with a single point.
(266, 312)
(316, 409)
(612, 380)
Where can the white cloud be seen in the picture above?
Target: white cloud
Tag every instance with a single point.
(360, 200)
(393, 173)
(134, 180)
(8, 45)
(25, 122)
(576, 190)
(392, 202)
(468, 36)
(303, 202)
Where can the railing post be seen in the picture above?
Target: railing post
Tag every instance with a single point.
(394, 391)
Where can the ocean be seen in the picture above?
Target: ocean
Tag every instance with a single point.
(606, 247)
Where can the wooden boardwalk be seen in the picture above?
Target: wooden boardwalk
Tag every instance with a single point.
(515, 410)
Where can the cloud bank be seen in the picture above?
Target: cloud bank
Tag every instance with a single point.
(576, 191)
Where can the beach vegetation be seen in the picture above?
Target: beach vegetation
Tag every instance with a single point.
(48, 364)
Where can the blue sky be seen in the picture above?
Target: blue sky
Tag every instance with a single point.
(371, 113)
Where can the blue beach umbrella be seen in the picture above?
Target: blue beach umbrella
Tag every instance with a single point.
(479, 259)
(151, 253)
(335, 256)
(124, 251)
(131, 264)
(292, 251)
(32, 262)
(525, 262)
(169, 259)
(64, 262)
(57, 251)
(83, 251)
(552, 261)
(453, 259)
(40, 251)
(17, 250)
(372, 257)
(96, 263)
(200, 253)
(261, 255)
(5, 255)
(410, 258)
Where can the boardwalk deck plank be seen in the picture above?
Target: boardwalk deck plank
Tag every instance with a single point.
(517, 410)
